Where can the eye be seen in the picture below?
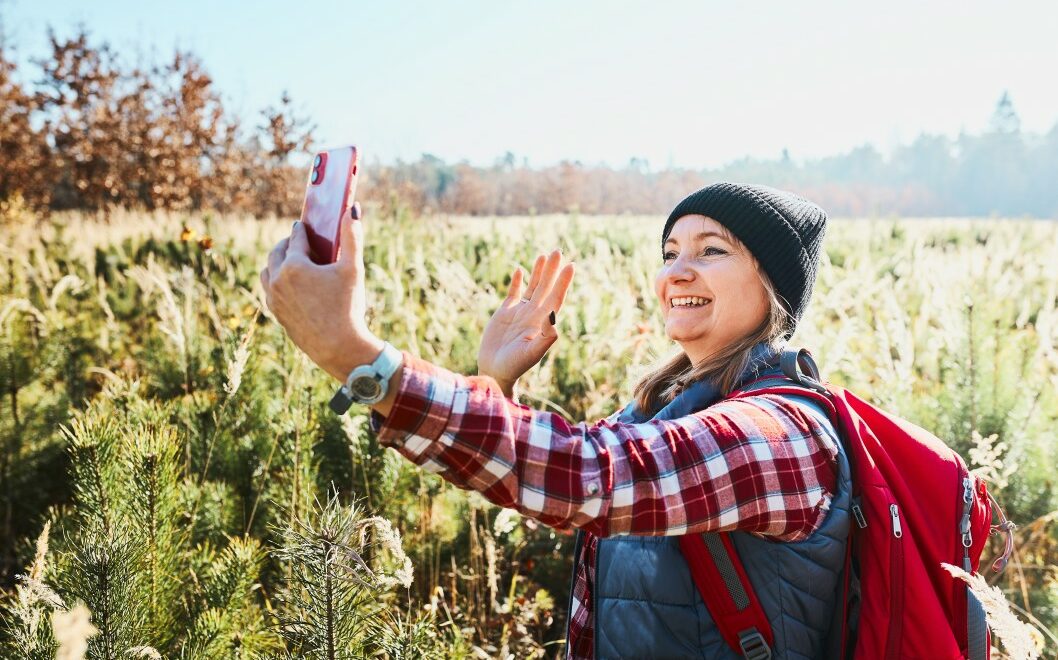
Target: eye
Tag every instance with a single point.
(672, 255)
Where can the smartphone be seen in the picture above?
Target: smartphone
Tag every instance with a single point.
(329, 195)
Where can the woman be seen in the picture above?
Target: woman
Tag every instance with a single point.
(735, 274)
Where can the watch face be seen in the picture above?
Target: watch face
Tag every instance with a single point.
(365, 387)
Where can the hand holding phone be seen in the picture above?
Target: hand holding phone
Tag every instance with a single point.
(329, 194)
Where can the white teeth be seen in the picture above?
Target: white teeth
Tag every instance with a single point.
(676, 302)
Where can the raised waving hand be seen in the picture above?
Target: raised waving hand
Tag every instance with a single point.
(522, 330)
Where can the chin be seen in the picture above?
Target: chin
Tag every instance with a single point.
(683, 328)
(685, 337)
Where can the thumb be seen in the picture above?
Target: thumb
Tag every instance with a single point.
(351, 247)
(299, 240)
(549, 331)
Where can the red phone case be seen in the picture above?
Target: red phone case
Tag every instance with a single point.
(329, 195)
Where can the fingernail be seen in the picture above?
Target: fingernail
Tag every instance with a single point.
(356, 211)
(551, 317)
(294, 226)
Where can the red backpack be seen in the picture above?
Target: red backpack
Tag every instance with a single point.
(914, 504)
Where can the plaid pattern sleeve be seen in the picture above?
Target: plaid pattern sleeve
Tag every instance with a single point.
(761, 464)
(580, 642)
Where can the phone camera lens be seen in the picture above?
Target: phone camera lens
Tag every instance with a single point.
(319, 159)
(315, 176)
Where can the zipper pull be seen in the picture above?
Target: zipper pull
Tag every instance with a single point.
(895, 513)
(857, 513)
(964, 523)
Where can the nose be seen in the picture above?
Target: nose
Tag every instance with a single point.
(679, 271)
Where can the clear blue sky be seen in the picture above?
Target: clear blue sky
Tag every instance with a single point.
(689, 83)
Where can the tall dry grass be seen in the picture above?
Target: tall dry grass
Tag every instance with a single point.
(142, 326)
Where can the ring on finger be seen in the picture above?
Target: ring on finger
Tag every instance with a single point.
(525, 300)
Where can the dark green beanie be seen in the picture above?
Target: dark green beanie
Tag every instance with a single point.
(783, 231)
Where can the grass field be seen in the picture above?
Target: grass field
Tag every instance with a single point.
(202, 501)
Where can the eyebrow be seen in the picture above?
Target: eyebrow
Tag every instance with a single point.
(698, 237)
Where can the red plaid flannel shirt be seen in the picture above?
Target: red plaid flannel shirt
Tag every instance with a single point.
(760, 464)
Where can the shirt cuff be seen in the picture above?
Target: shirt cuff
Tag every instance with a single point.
(422, 407)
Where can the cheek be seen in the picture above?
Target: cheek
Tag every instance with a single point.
(759, 297)
(748, 290)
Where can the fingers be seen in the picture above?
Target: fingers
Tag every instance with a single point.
(543, 276)
(547, 285)
(547, 276)
(351, 245)
(266, 287)
(299, 243)
(534, 277)
(276, 256)
(515, 289)
(557, 296)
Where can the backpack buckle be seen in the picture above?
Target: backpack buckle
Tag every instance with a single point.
(754, 647)
(790, 362)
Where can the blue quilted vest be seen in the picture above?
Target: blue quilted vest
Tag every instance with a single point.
(646, 604)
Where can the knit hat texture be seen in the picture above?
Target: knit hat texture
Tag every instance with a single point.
(783, 231)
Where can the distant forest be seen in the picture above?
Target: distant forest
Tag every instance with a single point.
(83, 130)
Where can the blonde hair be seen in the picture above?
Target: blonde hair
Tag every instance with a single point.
(662, 384)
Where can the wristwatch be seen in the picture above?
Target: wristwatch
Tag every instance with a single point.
(368, 383)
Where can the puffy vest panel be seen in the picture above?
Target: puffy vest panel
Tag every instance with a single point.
(646, 604)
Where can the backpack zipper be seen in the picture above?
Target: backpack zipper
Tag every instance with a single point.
(964, 523)
(896, 587)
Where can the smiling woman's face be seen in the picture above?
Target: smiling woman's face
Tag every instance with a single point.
(701, 262)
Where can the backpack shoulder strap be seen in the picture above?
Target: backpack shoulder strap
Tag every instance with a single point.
(791, 363)
(714, 564)
(728, 594)
(793, 382)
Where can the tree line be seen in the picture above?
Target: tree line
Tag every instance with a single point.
(94, 134)
(1001, 171)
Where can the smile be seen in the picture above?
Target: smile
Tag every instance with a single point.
(688, 301)
(688, 307)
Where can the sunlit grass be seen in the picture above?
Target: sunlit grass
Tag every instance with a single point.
(950, 323)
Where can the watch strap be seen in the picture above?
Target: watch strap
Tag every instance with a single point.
(382, 369)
